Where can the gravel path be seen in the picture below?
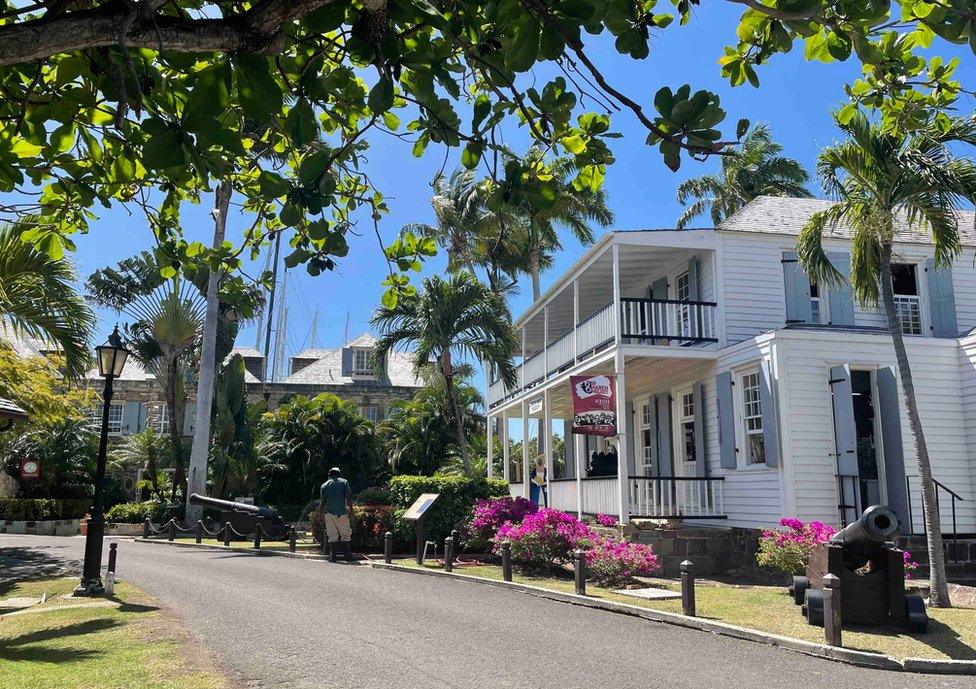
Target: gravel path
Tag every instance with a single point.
(280, 622)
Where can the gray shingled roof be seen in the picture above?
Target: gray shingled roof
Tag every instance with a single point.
(9, 410)
(327, 369)
(781, 215)
(246, 353)
(22, 344)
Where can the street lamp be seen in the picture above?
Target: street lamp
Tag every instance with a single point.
(111, 358)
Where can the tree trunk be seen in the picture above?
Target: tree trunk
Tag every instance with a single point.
(939, 597)
(175, 424)
(208, 365)
(534, 270)
(447, 369)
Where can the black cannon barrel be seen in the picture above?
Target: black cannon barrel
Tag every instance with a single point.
(867, 535)
(230, 506)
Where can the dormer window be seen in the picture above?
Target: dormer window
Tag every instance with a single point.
(362, 362)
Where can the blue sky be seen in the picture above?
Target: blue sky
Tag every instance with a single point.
(795, 98)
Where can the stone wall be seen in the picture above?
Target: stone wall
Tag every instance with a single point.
(59, 527)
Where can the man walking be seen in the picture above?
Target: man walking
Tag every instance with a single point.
(335, 508)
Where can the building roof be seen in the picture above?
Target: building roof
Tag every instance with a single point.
(22, 344)
(783, 215)
(9, 410)
(132, 371)
(327, 368)
(246, 352)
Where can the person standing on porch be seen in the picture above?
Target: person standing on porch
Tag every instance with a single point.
(538, 492)
(335, 508)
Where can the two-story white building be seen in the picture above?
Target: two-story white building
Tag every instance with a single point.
(744, 392)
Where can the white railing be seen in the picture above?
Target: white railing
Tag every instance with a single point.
(562, 495)
(653, 320)
(909, 311)
(534, 369)
(561, 352)
(600, 495)
(516, 490)
(596, 330)
(677, 497)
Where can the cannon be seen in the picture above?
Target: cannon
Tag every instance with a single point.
(871, 572)
(243, 517)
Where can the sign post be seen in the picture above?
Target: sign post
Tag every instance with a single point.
(415, 513)
(29, 470)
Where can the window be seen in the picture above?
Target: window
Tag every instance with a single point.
(908, 305)
(647, 441)
(362, 362)
(752, 426)
(682, 292)
(370, 412)
(115, 418)
(159, 417)
(815, 304)
(686, 426)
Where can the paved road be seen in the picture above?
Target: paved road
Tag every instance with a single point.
(278, 622)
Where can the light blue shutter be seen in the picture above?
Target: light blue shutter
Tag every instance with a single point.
(942, 300)
(693, 278)
(798, 308)
(659, 289)
(665, 467)
(768, 409)
(569, 445)
(189, 417)
(726, 420)
(845, 435)
(346, 362)
(130, 417)
(701, 457)
(840, 298)
(629, 444)
(892, 450)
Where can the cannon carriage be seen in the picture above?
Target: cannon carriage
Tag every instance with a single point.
(244, 518)
(871, 571)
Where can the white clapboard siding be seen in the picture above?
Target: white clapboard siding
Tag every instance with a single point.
(753, 288)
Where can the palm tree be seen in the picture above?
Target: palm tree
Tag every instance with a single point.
(756, 169)
(38, 298)
(454, 317)
(883, 181)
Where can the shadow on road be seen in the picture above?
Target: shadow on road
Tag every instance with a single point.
(18, 563)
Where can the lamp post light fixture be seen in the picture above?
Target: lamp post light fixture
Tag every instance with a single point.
(111, 359)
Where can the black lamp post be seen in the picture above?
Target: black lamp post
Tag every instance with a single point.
(111, 358)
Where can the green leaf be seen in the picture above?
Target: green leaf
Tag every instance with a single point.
(741, 128)
(381, 95)
(574, 144)
(471, 155)
(389, 298)
(163, 151)
(260, 94)
(482, 106)
(272, 186)
(664, 101)
(301, 124)
(672, 154)
(523, 48)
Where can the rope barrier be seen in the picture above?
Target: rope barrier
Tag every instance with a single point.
(227, 531)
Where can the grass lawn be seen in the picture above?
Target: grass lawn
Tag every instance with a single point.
(300, 547)
(952, 633)
(65, 643)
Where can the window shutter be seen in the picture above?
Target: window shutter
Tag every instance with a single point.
(628, 443)
(768, 405)
(701, 457)
(346, 362)
(840, 298)
(892, 450)
(726, 420)
(659, 289)
(845, 435)
(693, 278)
(942, 300)
(130, 417)
(665, 466)
(189, 417)
(652, 433)
(798, 309)
(569, 447)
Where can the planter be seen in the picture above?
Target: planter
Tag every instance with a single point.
(120, 529)
(53, 527)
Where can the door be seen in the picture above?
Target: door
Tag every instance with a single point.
(869, 467)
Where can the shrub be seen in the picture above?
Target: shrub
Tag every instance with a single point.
(606, 520)
(612, 562)
(369, 523)
(490, 515)
(138, 512)
(910, 564)
(375, 495)
(544, 538)
(788, 550)
(42, 509)
(458, 495)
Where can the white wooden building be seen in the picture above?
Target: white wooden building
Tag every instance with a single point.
(744, 393)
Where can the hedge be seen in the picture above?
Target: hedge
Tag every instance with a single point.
(452, 509)
(42, 509)
(138, 512)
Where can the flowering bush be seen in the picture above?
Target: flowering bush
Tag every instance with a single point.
(606, 520)
(788, 550)
(544, 538)
(612, 562)
(489, 516)
(910, 564)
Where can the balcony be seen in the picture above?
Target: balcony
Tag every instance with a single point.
(651, 322)
(662, 497)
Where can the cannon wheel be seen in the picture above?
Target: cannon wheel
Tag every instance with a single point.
(798, 588)
(813, 607)
(918, 618)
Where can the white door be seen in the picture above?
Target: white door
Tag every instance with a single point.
(684, 432)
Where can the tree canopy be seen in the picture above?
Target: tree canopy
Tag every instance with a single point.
(147, 103)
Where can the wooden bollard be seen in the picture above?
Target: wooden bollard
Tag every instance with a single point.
(507, 561)
(579, 571)
(456, 536)
(388, 547)
(199, 538)
(172, 529)
(292, 539)
(449, 554)
(688, 588)
(831, 610)
(258, 527)
(113, 553)
(227, 533)
(146, 529)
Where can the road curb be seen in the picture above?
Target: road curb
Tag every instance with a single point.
(225, 549)
(844, 655)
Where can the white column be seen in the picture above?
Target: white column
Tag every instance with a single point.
(505, 447)
(491, 445)
(623, 447)
(615, 254)
(522, 380)
(525, 448)
(547, 436)
(575, 320)
(581, 461)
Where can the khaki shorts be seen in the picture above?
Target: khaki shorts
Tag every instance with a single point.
(337, 528)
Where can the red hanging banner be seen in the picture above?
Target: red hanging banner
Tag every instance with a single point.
(594, 405)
